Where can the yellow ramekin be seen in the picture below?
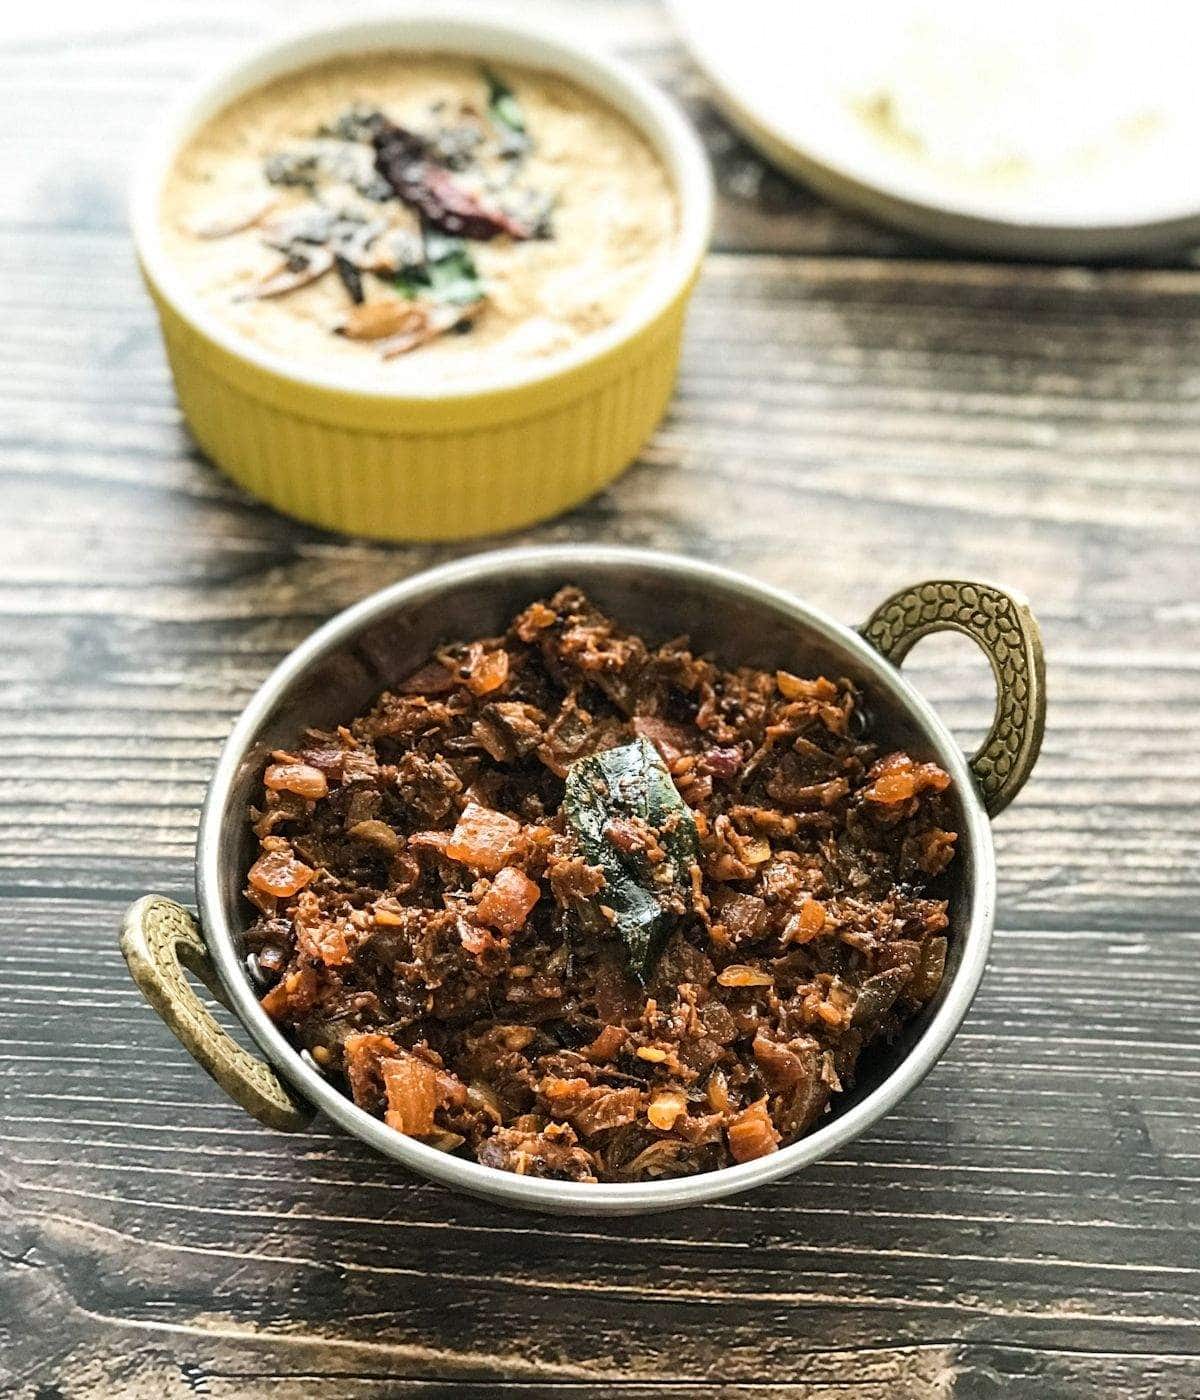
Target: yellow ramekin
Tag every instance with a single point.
(446, 463)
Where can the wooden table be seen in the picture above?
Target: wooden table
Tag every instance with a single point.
(855, 412)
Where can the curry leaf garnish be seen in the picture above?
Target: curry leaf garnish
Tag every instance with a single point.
(613, 792)
(448, 273)
(505, 112)
(453, 275)
(503, 107)
(351, 277)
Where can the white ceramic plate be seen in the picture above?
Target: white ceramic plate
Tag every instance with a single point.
(1042, 128)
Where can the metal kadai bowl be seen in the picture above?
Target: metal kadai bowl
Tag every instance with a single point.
(347, 662)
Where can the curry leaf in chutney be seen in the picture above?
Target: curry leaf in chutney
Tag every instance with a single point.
(448, 273)
(505, 112)
(628, 789)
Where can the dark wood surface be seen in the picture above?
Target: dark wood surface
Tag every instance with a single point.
(855, 412)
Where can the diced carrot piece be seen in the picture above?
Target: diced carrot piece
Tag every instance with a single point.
(276, 1002)
(832, 1015)
(752, 1134)
(300, 778)
(892, 787)
(488, 673)
(806, 925)
(797, 688)
(293, 997)
(606, 1045)
(412, 1094)
(812, 916)
(483, 839)
(741, 975)
(508, 903)
(897, 778)
(664, 1108)
(364, 1054)
(717, 1091)
(536, 618)
(279, 873)
(318, 936)
(335, 946)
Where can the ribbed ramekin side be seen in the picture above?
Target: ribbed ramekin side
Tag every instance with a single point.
(420, 485)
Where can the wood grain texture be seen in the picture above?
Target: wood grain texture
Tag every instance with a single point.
(856, 412)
